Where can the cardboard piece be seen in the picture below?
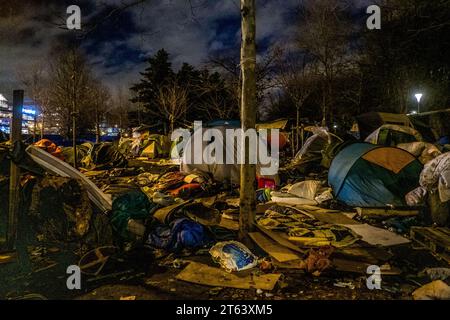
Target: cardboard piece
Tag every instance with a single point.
(376, 236)
(385, 212)
(352, 266)
(332, 218)
(278, 237)
(280, 253)
(205, 275)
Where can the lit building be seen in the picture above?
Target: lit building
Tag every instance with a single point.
(29, 116)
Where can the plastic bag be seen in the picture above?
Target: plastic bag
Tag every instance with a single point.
(306, 189)
(416, 197)
(233, 256)
(325, 196)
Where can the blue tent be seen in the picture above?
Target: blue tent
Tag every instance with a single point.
(367, 175)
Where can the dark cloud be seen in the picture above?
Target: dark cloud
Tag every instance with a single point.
(118, 42)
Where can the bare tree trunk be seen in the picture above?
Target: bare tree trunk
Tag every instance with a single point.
(34, 127)
(324, 107)
(97, 126)
(74, 122)
(42, 126)
(248, 115)
(297, 129)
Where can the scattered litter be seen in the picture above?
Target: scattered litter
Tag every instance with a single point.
(324, 196)
(436, 273)
(341, 284)
(215, 277)
(215, 291)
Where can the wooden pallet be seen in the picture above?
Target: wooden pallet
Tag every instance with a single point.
(437, 240)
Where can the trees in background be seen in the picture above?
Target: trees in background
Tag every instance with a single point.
(359, 70)
(173, 103)
(333, 69)
(298, 79)
(66, 89)
(408, 54)
(324, 37)
(165, 95)
(98, 106)
(36, 81)
(69, 88)
(121, 107)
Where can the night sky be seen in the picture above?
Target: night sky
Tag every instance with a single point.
(190, 31)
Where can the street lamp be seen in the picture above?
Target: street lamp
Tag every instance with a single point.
(418, 97)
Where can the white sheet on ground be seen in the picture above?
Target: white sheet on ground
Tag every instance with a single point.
(376, 236)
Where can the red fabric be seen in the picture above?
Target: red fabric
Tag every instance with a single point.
(266, 183)
(186, 191)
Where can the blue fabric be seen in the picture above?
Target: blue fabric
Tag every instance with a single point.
(181, 233)
(263, 195)
(366, 191)
(220, 123)
(444, 140)
(344, 161)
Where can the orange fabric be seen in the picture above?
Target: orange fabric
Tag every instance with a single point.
(389, 158)
(50, 147)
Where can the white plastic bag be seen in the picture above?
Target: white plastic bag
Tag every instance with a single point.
(306, 189)
(416, 197)
(233, 256)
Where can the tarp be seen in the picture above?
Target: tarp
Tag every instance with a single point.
(56, 166)
(392, 135)
(367, 175)
(369, 122)
(277, 124)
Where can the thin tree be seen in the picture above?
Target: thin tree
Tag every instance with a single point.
(324, 35)
(298, 80)
(35, 79)
(99, 101)
(248, 115)
(173, 102)
(69, 94)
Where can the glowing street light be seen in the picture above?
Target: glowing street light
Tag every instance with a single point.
(418, 98)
